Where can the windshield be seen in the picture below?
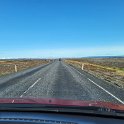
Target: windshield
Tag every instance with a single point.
(63, 50)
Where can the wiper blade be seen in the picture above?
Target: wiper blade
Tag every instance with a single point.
(61, 109)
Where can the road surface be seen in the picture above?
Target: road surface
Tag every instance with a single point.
(59, 80)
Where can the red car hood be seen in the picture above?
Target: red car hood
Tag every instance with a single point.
(62, 102)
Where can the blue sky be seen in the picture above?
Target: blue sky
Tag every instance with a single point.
(61, 28)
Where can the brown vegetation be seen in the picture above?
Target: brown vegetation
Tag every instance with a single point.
(110, 69)
(8, 66)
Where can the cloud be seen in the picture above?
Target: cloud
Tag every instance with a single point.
(71, 52)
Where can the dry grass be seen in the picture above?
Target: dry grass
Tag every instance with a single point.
(109, 62)
(8, 66)
(101, 68)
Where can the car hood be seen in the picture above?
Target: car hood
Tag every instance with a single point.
(61, 102)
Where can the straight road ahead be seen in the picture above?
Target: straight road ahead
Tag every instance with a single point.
(59, 80)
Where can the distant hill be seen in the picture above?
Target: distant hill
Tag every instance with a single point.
(104, 57)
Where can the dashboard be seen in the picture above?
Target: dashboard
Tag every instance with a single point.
(53, 118)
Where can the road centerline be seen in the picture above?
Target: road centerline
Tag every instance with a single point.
(30, 87)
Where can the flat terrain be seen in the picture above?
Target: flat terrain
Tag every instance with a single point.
(8, 66)
(109, 69)
(59, 80)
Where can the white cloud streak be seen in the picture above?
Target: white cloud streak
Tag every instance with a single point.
(56, 53)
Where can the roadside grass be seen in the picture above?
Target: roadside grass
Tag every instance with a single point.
(113, 75)
(8, 66)
(2, 74)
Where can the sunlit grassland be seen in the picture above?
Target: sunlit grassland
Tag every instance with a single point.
(8, 66)
(111, 70)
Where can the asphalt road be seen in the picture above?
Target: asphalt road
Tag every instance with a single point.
(59, 80)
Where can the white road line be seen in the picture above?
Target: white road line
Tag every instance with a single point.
(13, 101)
(30, 87)
(101, 87)
(77, 70)
(21, 95)
(106, 91)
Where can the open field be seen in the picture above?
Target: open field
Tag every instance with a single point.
(109, 69)
(8, 66)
